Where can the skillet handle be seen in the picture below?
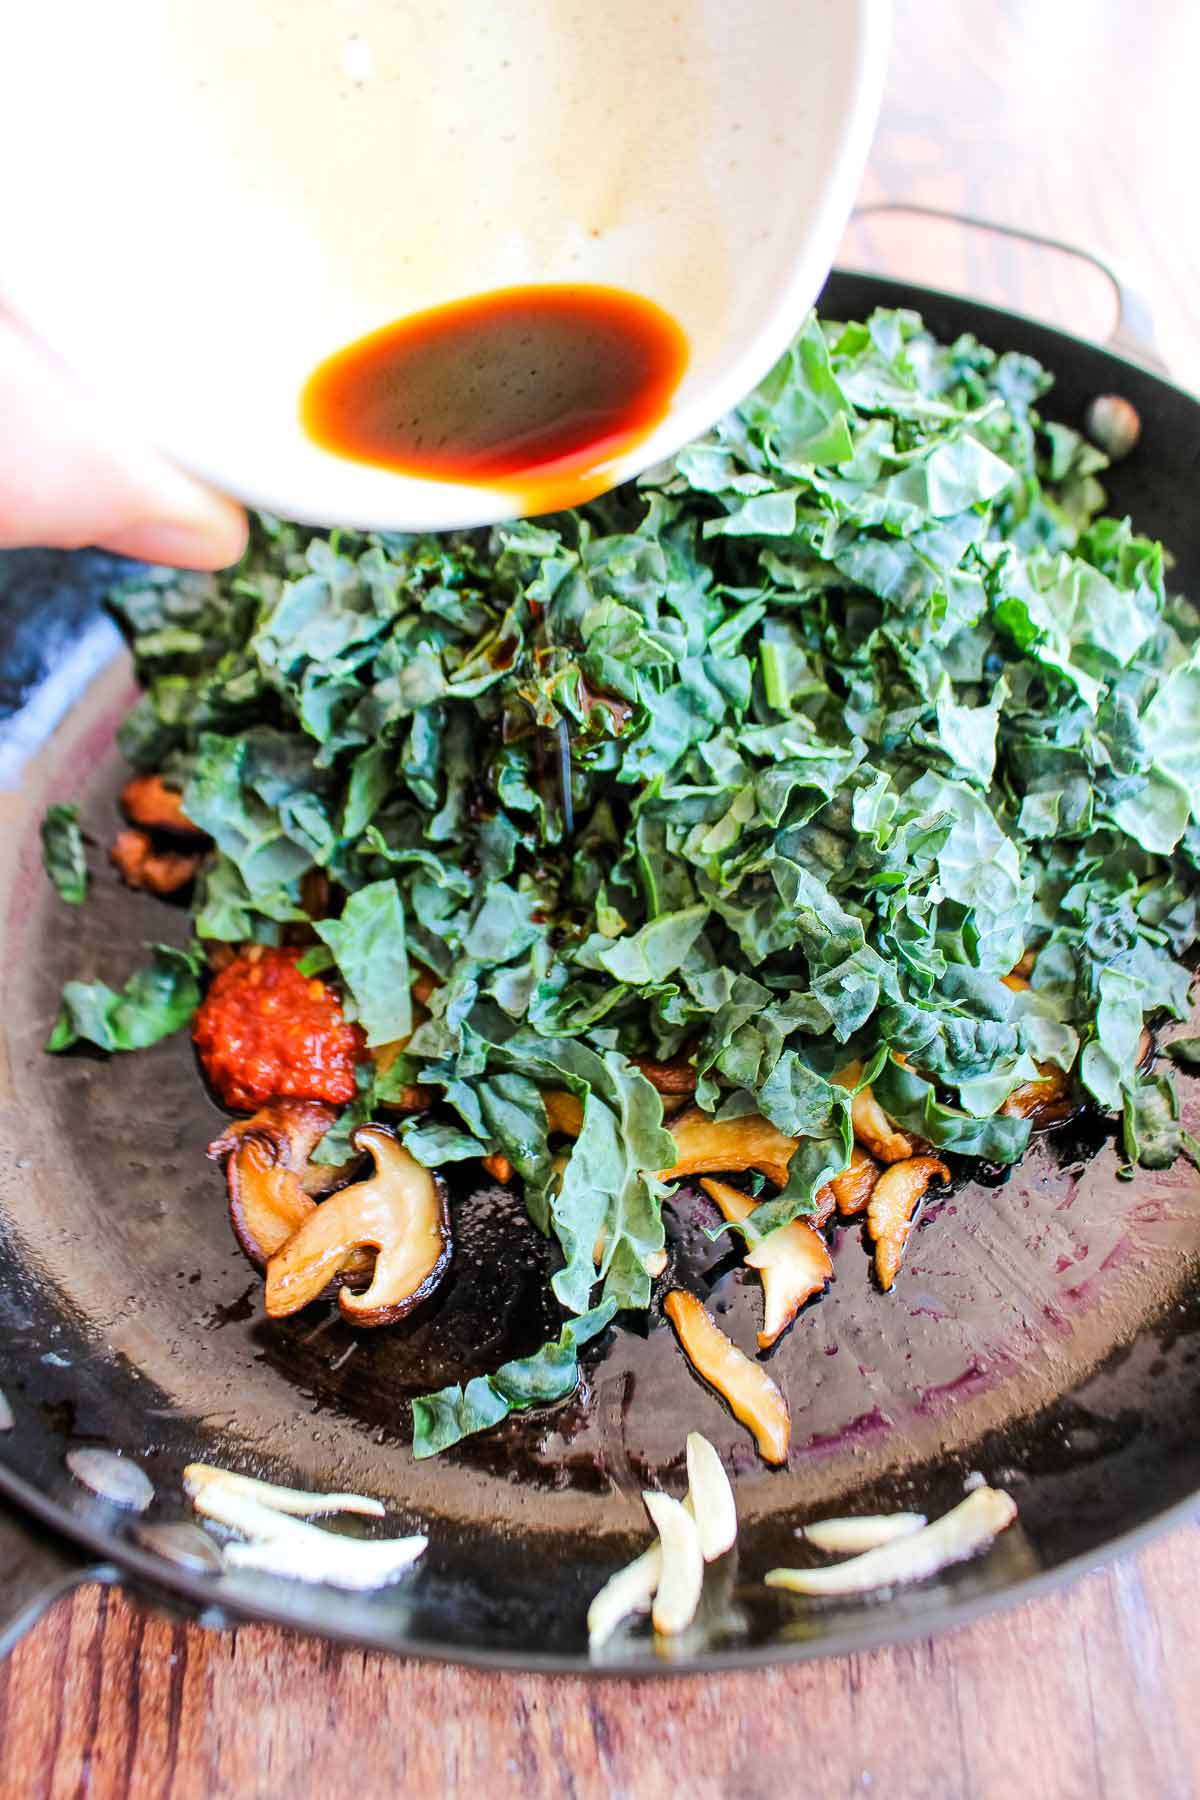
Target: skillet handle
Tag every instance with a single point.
(36, 1567)
(1132, 335)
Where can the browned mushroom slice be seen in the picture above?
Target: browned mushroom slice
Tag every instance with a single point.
(1044, 1100)
(705, 1146)
(824, 1202)
(792, 1262)
(316, 893)
(564, 1113)
(678, 1077)
(271, 1181)
(414, 1096)
(146, 800)
(872, 1126)
(400, 1213)
(267, 1204)
(852, 1188)
(292, 1129)
(424, 987)
(384, 1055)
(890, 1211)
(749, 1390)
(140, 865)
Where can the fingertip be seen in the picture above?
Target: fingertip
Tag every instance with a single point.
(213, 537)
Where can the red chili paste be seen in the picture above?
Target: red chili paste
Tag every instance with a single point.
(266, 1032)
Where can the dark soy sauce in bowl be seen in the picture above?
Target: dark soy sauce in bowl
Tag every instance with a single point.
(531, 390)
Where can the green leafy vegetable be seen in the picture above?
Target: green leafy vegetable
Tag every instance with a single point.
(369, 947)
(1153, 1135)
(550, 1374)
(856, 702)
(62, 853)
(153, 1003)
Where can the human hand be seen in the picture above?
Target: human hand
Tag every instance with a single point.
(69, 478)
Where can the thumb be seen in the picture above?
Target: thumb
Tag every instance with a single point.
(68, 478)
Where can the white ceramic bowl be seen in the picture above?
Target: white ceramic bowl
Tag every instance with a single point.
(205, 198)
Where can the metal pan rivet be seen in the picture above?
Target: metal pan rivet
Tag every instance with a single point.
(183, 1544)
(113, 1478)
(1113, 424)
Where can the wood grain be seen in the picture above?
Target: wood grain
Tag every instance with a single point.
(1090, 1694)
(1076, 118)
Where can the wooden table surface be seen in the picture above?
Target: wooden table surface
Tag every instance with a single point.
(1073, 117)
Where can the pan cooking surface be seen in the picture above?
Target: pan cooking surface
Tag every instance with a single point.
(1044, 1330)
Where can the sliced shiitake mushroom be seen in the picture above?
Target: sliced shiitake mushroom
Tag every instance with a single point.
(890, 1211)
(292, 1129)
(413, 1097)
(271, 1181)
(316, 893)
(267, 1204)
(677, 1077)
(140, 865)
(824, 1206)
(424, 987)
(706, 1146)
(872, 1126)
(793, 1262)
(146, 800)
(1044, 1100)
(749, 1390)
(564, 1113)
(851, 1189)
(400, 1212)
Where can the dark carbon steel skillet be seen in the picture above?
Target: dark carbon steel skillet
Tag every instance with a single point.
(1046, 1330)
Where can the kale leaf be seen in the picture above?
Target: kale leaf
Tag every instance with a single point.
(783, 758)
(153, 1003)
(62, 853)
(550, 1374)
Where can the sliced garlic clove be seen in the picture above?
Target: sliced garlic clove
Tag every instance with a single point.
(966, 1529)
(682, 1575)
(354, 1563)
(865, 1532)
(710, 1498)
(630, 1590)
(282, 1499)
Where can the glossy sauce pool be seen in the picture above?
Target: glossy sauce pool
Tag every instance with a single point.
(531, 390)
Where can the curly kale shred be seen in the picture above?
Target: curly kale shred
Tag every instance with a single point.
(860, 700)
